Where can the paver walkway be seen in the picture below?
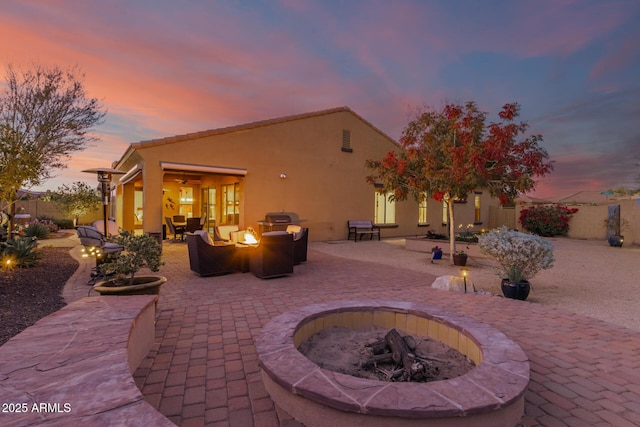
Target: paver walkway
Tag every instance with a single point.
(204, 370)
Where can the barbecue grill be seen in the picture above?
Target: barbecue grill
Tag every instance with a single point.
(277, 221)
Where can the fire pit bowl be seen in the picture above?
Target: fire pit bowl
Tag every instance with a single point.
(492, 393)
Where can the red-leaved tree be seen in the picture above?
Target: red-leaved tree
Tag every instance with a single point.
(448, 154)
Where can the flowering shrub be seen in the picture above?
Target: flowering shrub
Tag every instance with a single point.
(547, 221)
(519, 255)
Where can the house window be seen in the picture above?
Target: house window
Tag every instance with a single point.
(230, 204)
(346, 141)
(476, 204)
(385, 209)
(185, 206)
(422, 211)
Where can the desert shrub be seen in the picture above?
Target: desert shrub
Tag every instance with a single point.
(436, 236)
(20, 252)
(37, 230)
(64, 224)
(547, 221)
(140, 251)
(519, 255)
(48, 222)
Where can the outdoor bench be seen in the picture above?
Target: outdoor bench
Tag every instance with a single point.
(75, 366)
(362, 227)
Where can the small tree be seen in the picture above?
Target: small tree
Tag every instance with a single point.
(45, 116)
(77, 199)
(447, 154)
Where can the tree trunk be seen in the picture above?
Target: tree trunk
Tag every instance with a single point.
(12, 214)
(452, 229)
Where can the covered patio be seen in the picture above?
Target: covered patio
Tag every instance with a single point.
(211, 193)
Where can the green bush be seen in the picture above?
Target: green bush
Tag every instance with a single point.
(39, 231)
(64, 224)
(20, 252)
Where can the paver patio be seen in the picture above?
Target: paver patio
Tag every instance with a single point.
(204, 370)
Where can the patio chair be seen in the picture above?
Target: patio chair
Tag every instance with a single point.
(91, 238)
(300, 243)
(193, 224)
(273, 256)
(175, 229)
(207, 259)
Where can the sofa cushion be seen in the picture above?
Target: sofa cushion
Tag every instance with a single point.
(296, 230)
(225, 231)
(274, 233)
(204, 235)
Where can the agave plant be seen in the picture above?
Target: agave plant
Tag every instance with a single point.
(20, 252)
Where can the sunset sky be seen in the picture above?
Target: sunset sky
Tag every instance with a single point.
(164, 68)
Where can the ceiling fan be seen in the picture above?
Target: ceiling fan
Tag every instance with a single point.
(186, 180)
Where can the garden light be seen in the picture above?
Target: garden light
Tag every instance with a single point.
(464, 272)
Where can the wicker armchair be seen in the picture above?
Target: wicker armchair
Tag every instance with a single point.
(273, 256)
(207, 259)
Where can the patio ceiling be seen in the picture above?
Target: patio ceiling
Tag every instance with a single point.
(180, 167)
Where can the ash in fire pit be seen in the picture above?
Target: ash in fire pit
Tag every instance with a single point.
(381, 354)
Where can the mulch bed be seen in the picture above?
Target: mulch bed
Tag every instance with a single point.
(29, 294)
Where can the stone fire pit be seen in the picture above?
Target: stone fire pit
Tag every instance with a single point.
(492, 393)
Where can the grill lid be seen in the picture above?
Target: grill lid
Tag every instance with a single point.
(281, 218)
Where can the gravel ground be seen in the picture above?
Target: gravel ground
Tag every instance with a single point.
(589, 277)
(29, 294)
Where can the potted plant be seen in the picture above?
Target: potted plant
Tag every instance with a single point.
(460, 258)
(615, 225)
(139, 251)
(519, 256)
(436, 253)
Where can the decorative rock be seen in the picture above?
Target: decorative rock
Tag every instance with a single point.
(452, 283)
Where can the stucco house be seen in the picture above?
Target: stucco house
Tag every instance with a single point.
(312, 164)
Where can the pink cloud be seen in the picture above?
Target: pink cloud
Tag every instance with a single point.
(167, 70)
(618, 57)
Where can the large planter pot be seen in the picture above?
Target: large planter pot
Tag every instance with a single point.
(460, 259)
(436, 255)
(518, 290)
(142, 285)
(616, 241)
